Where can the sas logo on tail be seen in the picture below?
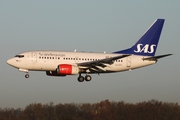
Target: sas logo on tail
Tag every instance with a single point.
(146, 49)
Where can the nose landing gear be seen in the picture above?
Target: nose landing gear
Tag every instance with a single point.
(26, 71)
(27, 76)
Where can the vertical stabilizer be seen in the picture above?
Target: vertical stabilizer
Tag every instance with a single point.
(148, 43)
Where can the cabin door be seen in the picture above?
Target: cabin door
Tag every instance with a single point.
(128, 61)
(33, 57)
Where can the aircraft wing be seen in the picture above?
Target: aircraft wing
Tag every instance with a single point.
(98, 65)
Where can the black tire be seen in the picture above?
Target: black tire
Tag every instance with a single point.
(27, 76)
(81, 79)
(88, 78)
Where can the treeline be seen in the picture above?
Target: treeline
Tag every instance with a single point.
(104, 110)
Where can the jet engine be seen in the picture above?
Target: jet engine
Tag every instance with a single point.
(67, 69)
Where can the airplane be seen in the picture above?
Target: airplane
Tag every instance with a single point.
(61, 63)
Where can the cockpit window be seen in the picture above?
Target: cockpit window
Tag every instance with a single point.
(19, 56)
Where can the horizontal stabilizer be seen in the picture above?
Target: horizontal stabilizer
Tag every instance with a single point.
(156, 57)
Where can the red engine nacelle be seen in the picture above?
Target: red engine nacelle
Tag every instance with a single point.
(67, 69)
(53, 73)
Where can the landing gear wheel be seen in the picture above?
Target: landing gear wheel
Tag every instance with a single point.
(27, 76)
(88, 78)
(80, 78)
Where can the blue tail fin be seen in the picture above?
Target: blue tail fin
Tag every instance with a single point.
(148, 43)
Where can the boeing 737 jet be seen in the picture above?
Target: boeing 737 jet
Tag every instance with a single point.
(61, 63)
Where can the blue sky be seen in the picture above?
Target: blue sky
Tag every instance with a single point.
(87, 26)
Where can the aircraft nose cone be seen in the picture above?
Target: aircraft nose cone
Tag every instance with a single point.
(10, 61)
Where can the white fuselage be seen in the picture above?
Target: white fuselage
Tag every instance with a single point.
(49, 60)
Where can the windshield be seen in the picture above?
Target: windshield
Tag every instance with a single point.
(19, 56)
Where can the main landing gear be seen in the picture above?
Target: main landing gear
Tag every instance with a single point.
(87, 78)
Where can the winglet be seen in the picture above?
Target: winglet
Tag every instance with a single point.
(148, 43)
